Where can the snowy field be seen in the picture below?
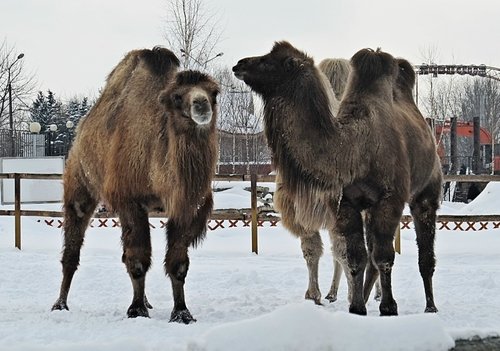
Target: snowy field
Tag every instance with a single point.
(243, 301)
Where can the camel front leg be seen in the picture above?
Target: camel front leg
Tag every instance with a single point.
(179, 238)
(349, 249)
(312, 249)
(176, 267)
(337, 273)
(382, 221)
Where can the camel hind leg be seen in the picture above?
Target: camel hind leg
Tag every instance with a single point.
(136, 241)
(79, 206)
(423, 210)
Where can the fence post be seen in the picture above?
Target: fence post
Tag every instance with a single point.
(17, 209)
(397, 240)
(253, 187)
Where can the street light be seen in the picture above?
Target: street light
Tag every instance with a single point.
(11, 119)
(35, 127)
(204, 64)
(52, 130)
(69, 136)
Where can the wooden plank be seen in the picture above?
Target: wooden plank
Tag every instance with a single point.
(471, 178)
(269, 178)
(45, 176)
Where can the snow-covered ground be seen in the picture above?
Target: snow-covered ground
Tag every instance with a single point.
(243, 301)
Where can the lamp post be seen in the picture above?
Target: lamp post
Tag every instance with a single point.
(69, 136)
(35, 129)
(204, 64)
(11, 119)
(52, 130)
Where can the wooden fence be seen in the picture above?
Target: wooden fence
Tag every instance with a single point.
(254, 216)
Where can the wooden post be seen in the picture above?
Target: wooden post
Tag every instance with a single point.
(453, 146)
(253, 186)
(476, 154)
(17, 210)
(397, 240)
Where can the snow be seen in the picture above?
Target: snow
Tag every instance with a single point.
(243, 301)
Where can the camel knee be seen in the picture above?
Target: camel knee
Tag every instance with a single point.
(383, 256)
(177, 266)
(70, 260)
(312, 246)
(384, 262)
(427, 265)
(137, 264)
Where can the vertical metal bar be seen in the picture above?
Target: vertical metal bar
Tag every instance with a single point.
(253, 187)
(17, 210)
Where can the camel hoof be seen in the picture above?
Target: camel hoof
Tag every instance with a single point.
(431, 309)
(147, 304)
(389, 309)
(360, 310)
(136, 310)
(60, 305)
(331, 297)
(316, 297)
(182, 316)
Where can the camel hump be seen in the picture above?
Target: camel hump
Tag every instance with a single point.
(406, 76)
(159, 60)
(372, 64)
(337, 71)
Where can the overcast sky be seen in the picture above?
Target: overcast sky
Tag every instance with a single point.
(71, 45)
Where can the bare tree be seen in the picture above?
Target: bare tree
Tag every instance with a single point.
(16, 87)
(240, 118)
(191, 31)
(426, 93)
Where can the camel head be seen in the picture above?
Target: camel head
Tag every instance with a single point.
(266, 74)
(191, 99)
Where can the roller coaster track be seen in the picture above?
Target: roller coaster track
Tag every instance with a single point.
(472, 70)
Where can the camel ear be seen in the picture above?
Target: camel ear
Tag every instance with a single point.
(292, 63)
(169, 99)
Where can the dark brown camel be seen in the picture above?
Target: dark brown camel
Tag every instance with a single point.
(149, 142)
(374, 156)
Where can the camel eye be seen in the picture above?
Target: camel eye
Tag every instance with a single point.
(177, 100)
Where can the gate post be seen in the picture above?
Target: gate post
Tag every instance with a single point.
(17, 210)
(253, 187)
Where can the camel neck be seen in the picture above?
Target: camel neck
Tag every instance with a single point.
(302, 133)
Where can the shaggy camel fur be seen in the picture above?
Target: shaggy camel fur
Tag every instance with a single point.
(371, 157)
(149, 142)
(337, 71)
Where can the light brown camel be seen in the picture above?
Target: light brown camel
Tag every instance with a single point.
(149, 142)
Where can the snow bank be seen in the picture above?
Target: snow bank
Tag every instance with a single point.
(308, 327)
